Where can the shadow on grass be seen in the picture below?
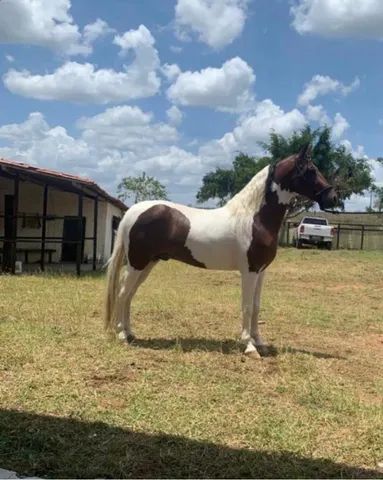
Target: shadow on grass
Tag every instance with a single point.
(32, 444)
(227, 347)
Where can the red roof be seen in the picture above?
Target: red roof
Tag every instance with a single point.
(87, 182)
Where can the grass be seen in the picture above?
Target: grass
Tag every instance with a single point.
(183, 401)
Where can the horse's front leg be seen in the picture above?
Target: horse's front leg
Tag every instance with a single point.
(254, 328)
(249, 285)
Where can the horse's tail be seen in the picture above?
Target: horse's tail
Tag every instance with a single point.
(115, 264)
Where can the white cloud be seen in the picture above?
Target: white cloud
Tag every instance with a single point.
(170, 71)
(34, 141)
(44, 23)
(126, 128)
(120, 141)
(316, 113)
(174, 115)
(251, 130)
(96, 30)
(141, 41)
(83, 83)
(339, 18)
(216, 22)
(339, 126)
(10, 58)
(322, 85)
(227, 88)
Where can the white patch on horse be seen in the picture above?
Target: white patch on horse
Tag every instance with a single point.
(284, 196)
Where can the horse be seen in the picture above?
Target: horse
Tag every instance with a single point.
(242, 235)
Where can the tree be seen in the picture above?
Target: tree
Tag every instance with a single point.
(376, 201)
(222, 184)
(141, 188)
(349, 175)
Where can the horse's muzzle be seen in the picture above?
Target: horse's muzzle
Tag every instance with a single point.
(327, 198)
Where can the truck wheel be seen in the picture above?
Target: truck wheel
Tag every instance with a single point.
(329, 246)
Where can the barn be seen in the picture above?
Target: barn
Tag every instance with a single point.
(54, 220)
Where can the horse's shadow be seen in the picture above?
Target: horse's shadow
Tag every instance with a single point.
(226, 346)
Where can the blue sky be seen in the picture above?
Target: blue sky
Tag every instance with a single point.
(177, 87)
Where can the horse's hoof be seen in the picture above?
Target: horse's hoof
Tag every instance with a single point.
(251, 351)
(130, 338)
(253, 355)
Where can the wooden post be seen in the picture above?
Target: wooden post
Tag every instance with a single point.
(288, 234)
(44, 228)
(95, 219)
(80, 236)
(337, 236)
(16, 185)
(362, 238)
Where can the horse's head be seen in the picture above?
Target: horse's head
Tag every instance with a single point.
(298, 174)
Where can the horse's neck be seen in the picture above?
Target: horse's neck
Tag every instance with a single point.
(249, 200)
(272, 212)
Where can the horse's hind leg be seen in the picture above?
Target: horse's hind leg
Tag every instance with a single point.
(130, 283)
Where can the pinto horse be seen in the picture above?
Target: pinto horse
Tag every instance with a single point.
(242, 235)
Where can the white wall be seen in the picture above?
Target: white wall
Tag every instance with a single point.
(60, 204)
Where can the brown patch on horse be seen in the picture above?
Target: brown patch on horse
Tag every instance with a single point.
(160, 233)
(265, 229)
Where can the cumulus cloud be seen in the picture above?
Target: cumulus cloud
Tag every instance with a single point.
(339, 18)
(266, 118)
(215, 22)
(96, 30)
(171, 71)
(227, 88)
(339, 126)
(120, 141)
(83, 83)
(34, 141)
(174, 115)
(46, 23)
(323, 85)
(316, 113)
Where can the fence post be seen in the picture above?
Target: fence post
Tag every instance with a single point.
(337, 236)
(362, 238)
(288, 234)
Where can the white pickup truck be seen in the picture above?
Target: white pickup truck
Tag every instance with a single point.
(314, 231)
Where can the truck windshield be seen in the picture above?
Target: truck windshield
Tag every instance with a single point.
(315, 221)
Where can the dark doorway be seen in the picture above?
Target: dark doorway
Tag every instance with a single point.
(72, 233)
(9, 233)
(115, 223)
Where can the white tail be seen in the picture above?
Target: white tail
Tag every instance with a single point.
(115, 264)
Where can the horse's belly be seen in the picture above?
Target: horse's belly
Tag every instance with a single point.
(215, 255)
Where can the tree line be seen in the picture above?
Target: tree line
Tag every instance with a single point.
(350, 175)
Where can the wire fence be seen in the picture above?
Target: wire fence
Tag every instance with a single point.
(350, 236)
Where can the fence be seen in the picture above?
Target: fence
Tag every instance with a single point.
(47, 243)
(350, 236)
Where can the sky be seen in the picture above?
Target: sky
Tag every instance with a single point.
(176, 88)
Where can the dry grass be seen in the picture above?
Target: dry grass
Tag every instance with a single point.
(183, 401)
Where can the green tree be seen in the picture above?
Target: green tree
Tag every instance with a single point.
(222, 184)
(141, 188)
(376, 204)
(349, 175)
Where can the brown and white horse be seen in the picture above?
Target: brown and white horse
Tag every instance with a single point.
(242, 235)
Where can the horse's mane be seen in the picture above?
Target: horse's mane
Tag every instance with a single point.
(250, 199)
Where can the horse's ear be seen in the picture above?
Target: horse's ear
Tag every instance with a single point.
(304, 156)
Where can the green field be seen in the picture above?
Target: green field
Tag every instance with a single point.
(183, 401)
